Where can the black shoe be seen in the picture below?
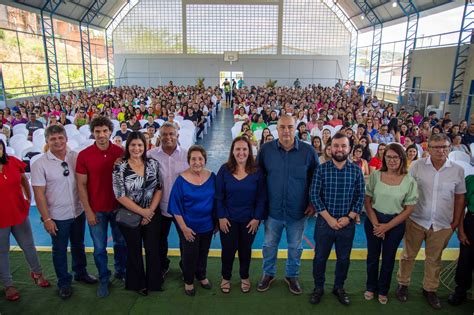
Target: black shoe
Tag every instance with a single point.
(316, 296)
(206, 286)
(191, 292)
(88, 279)
(65, 293)
(341, 296)
(432, 299)
(264, 284)
(402, 293)
(293, 285)
(119, 277)
(456, 299)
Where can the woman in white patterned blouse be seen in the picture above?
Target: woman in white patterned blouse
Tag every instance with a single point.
(137, 187)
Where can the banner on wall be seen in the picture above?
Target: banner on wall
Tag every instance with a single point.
(3, 99)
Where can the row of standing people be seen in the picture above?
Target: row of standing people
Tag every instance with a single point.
(185, 191)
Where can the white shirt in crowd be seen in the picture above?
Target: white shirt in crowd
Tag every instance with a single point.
(62, 198)
(170, 168)
(436, 191)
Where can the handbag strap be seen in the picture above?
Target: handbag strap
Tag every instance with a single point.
(144, 180)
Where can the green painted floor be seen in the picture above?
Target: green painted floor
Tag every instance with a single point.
(278, 300)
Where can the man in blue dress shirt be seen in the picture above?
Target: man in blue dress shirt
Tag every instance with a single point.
(289, 165)
(337, 193)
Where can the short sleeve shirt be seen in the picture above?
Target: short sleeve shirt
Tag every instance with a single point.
(14, 208)
(436, 189)
(391, 199)
(98, 166)
(127, 183)
(62, 198)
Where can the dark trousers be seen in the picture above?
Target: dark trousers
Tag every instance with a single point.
(69, 230)
(147, 236)
(466, 258)
(200, 130)
(194, 256)
(164, 232)
(325, 237)
(237, 239)
(379, 281)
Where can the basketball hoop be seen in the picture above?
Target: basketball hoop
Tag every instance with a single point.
(231, 56)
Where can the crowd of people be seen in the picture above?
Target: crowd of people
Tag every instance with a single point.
(409, 189)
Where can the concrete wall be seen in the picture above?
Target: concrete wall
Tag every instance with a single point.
(152, 70)
(435, 67)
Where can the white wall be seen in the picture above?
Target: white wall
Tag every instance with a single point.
(153, 70)
(435, 67)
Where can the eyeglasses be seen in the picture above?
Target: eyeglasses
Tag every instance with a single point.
(392, 158)
(66, 169)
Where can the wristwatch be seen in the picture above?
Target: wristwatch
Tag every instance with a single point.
(350, 219)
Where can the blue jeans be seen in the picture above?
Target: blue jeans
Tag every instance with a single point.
(325, 237)
(99, 238)
(294, 235)
(69, 230)
(380, 281)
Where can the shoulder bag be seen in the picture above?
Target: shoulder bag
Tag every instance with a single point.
(128, 218)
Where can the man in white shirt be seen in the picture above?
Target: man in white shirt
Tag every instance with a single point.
(437, 214)
(54, 184)
(173, 161)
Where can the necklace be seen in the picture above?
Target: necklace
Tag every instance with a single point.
(199, 180)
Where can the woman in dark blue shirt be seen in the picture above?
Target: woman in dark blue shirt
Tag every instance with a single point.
(241, 197)
(191, 203)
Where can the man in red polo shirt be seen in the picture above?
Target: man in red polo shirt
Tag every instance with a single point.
(94, 180)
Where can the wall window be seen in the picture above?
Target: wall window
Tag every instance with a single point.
(248, 29)
(151, 27)
(311, 28)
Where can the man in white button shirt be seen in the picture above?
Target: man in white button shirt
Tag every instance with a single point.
(437, 214)
(173, 161)
(54, 184)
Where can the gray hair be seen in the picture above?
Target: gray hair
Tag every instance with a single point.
(167, 124)
(54, 129)
(437, 137)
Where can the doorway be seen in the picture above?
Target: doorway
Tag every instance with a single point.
(230, 75)
(416, 83)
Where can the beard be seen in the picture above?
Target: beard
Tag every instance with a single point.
(340, 158)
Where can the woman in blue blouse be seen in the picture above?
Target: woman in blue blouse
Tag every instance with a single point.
(191, 204)
(241, 197)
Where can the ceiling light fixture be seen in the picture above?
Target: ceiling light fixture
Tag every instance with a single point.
(394, 4)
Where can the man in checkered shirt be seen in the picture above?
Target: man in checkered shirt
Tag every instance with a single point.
(337, 194)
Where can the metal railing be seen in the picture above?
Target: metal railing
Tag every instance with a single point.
(424, 100)
(154, 79)
(39, 90)
(428, 41)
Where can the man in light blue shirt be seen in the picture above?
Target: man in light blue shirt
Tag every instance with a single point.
(384, 136)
